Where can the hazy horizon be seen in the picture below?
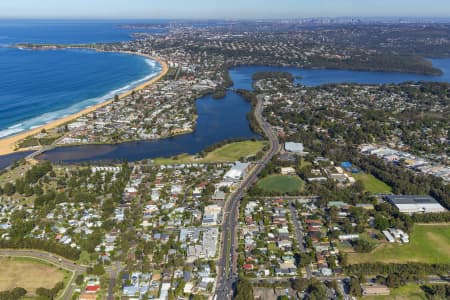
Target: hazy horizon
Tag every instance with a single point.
(231, 9)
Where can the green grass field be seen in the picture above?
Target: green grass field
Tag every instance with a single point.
(372, 184)
(227, 153)
(280, 184)
(428, 244)
(406, 292)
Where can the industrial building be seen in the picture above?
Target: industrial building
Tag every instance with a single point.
(292, 147)
(410, 204)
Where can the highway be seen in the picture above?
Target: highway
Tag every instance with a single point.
(227, 265)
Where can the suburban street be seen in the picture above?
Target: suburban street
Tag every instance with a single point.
(227, 278)
(299, 234)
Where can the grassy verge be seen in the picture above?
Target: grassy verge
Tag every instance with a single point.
(227, 153)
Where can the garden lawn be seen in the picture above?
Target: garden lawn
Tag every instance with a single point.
(373, 184)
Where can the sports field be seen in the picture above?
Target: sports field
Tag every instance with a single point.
(428, 244)
(29, 274)
(280, 184)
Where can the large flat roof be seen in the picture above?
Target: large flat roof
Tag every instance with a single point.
(411, 199)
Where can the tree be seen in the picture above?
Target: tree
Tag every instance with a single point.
(363, 246)
(316, 290)
(15, 294)
(9, 189)
(359, 186)
(44, 293)
(79, 280)
(18, 292)
(244, 290)
(393, 280)
(98, 269)
(381, 223)
(300, 284)
(355, 287)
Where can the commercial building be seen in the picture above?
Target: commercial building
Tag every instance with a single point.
(410, 204)
(294, 147)
(238, 171)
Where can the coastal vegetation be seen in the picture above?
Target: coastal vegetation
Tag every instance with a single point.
(225, 153)
(272, 75)
(251, 97)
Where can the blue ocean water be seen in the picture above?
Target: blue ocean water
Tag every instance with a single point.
(68, 32)
(37, 87)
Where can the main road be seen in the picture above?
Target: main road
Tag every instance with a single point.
(227, 265)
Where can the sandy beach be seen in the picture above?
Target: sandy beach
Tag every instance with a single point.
(8, 144)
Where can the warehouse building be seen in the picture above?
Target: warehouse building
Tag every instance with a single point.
(410, 204)
(292, 147)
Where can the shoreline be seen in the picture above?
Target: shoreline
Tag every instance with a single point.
(8, 144)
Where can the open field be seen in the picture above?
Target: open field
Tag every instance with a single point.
(29, 274)
(372, 184)
(428, 244)
(227, 153)
(280, 184)
(407, 292)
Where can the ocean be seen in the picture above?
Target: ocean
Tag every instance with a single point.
(37, 87)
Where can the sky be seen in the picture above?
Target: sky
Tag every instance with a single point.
(219, 9)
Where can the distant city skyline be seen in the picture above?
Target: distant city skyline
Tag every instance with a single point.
(231, 9)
